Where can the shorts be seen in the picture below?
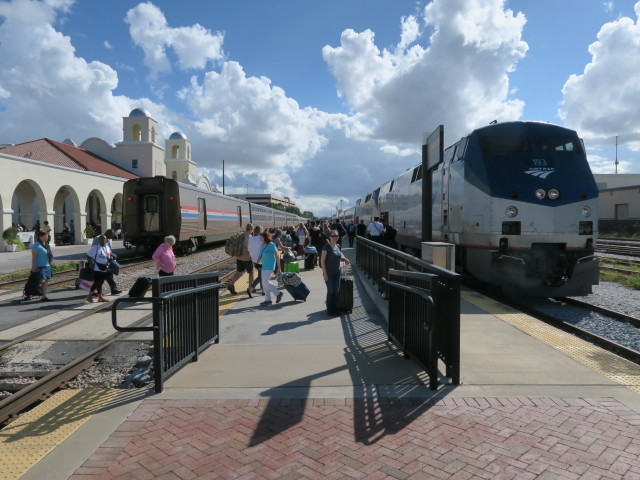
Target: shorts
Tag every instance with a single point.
(244, 266)
(45, 272)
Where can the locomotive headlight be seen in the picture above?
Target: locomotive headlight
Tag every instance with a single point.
(511, 212)
(540, 193)
(553, 194)
(585, 212)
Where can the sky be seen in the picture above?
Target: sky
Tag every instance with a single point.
(321, 101)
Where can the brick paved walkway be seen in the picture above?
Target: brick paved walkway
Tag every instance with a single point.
(454, 438)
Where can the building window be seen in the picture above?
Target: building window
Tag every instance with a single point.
(153, 134)
(174, 175)
(134, 163)
(135, 131)
(174, 151)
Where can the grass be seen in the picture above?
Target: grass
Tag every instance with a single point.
(626, 280)
(24, 273)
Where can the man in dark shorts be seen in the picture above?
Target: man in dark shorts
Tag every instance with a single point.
(243, 263)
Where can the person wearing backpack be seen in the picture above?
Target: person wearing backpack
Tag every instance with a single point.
(351, 231)
(240, 250)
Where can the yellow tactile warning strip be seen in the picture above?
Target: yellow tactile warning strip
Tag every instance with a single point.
(228, 300)
(27, 440)
(608, 364)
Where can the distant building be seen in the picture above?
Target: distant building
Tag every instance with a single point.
(264, 199)
(619, 209)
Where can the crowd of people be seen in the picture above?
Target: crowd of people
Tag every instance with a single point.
(260, 252)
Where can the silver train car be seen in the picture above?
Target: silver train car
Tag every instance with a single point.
(154, 208)
(518, 200)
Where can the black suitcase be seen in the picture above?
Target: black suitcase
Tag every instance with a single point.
(32, 288)
(140, 287)
(345, 294)
(310, 261)
(299, 292)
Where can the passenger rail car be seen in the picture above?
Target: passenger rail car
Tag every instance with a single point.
(157, 207)
(517, 199)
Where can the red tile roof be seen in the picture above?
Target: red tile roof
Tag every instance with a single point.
(56, 153)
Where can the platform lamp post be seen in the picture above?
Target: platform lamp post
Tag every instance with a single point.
(223, 176)
(432, 156)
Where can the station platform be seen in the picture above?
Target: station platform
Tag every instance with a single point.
(290, 392)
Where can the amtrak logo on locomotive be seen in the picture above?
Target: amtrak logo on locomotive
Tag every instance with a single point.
(541, 168)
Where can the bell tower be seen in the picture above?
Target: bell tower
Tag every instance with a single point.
(178, 161)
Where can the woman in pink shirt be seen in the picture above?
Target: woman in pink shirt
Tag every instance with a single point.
(165, 258)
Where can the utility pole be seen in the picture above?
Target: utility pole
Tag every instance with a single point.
(616, 154)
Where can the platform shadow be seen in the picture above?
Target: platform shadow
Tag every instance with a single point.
(389, 391)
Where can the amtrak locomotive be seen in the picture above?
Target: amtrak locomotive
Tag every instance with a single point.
(157, 207)
(517, 199)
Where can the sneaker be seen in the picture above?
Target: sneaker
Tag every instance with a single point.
(279, 297)
(90, 298)
(266, 303)
(232, 289)
(102, 299)
(45, 299)
(116, 292)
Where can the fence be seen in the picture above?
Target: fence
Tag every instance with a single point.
(186, 320)
(424, 306)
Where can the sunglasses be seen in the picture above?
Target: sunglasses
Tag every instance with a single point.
(335, 236)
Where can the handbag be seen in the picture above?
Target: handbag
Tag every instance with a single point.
(87, 273)
(113, 267)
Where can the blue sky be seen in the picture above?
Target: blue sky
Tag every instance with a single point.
(320, 101)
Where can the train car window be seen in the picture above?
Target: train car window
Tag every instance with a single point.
(392, 184)
(151, 204)
(505, 145)
(367, 198)
(417, 174)
(558, 144)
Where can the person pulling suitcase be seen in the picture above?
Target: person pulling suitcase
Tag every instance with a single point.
(330, 260)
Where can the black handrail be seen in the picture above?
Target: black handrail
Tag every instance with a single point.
(182, 325)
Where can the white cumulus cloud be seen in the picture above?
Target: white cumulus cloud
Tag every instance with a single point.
(457, 77)
(602, 102)
(194, 46)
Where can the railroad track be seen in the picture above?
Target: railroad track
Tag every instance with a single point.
(67, 278)
(28, 388)
(619, 247)
(555, 319)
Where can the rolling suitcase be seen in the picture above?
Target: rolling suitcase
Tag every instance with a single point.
(140, 287)
(310, 258)
(299, 292)
(345, 294)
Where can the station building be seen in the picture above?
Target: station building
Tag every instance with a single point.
(63, 183)
(619, 209)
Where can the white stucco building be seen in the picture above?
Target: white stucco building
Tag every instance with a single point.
(45, 180)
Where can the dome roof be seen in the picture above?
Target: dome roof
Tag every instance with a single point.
(178, 136)
(139, 112)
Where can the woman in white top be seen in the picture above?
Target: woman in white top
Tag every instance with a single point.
(303, 238)
(100, 254)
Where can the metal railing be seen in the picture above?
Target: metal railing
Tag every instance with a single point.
(424, 306)
(186, 320)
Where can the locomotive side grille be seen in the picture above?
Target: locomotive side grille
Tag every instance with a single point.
(586, 228)
(511, 228)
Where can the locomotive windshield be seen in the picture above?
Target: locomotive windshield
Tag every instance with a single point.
(505, 145)
(558, 144)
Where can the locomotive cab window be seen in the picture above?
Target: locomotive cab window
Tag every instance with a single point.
(558, 144)
(505, 145)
